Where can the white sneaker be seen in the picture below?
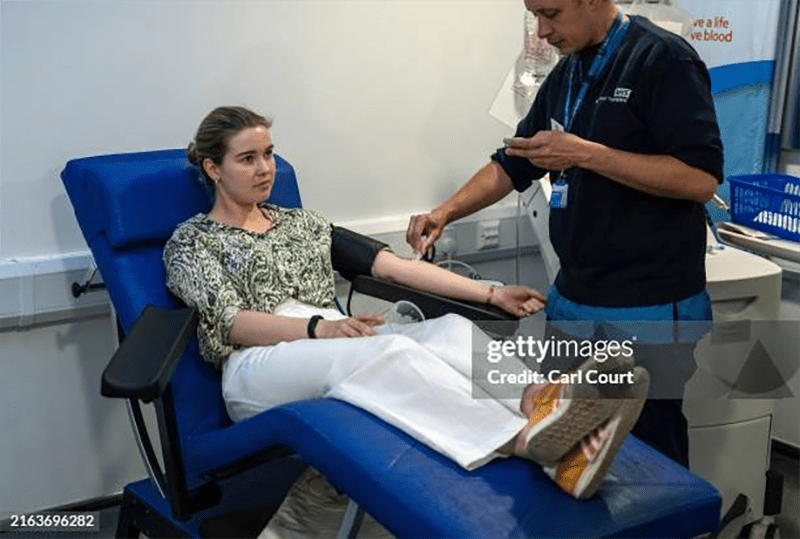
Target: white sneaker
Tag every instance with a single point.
(582, 469)
(563, 413)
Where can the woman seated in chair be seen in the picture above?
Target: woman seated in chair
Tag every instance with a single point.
(262, 280)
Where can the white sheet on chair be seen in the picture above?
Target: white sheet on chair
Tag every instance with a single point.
(416, 377)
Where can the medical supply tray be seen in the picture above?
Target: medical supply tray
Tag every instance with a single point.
(767, 202)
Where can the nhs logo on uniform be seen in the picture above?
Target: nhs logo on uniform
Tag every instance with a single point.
(621, 95)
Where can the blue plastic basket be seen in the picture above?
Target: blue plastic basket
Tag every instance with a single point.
(767, 202)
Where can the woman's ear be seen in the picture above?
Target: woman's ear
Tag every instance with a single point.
(211, 169)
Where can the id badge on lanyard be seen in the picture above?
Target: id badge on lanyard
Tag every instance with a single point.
(558, 198)
(612, 42)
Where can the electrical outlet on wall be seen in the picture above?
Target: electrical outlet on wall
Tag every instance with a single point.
(488, 234)
(446, 244)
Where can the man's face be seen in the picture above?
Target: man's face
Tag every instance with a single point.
(568, 25)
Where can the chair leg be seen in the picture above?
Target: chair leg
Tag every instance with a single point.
(126, 527)
(351, 521)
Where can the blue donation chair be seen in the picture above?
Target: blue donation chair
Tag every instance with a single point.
(127, 206)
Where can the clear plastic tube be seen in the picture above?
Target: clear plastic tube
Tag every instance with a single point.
(665, 13)
(533, 64)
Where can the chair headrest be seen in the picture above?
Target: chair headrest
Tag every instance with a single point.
(139, 198)
(136, 198)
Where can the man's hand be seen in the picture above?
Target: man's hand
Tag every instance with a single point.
(551, 150)
(423, 230)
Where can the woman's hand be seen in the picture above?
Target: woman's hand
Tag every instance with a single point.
(518, 300)
(358, 326)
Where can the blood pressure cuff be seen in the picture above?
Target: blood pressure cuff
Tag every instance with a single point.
(353, 254)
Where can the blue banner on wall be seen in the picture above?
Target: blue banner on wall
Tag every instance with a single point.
(738, 42)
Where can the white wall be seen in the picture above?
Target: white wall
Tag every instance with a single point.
(62, 442)
(381, 105)
(389, 94)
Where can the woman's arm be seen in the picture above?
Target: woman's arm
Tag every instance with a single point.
(516, 300)
(251, 328)
(195, 275)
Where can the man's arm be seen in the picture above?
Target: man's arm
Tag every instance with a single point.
(487, 186)
(660, 175)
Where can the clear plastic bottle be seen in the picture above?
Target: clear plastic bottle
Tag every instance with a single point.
(665, 13)
(403, 312)
(533, 64)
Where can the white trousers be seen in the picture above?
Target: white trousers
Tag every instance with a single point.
(416, 377)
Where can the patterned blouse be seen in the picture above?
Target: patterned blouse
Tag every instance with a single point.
(221, 269)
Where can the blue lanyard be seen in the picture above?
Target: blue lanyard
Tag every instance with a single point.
(607, 51)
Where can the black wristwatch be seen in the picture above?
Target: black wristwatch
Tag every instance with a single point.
(312, 326)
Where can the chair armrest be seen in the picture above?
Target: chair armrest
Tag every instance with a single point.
(489, 317)
(142, 366)
(353, 255)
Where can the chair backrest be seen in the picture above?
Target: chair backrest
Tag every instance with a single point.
(127, 206)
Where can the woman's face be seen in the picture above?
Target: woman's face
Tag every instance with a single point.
(247, 171)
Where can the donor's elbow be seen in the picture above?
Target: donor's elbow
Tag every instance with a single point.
(387, 266)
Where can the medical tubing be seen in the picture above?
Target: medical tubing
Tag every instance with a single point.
(516, 239)
(450, 261)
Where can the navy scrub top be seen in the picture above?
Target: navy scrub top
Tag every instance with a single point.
(621, 247)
